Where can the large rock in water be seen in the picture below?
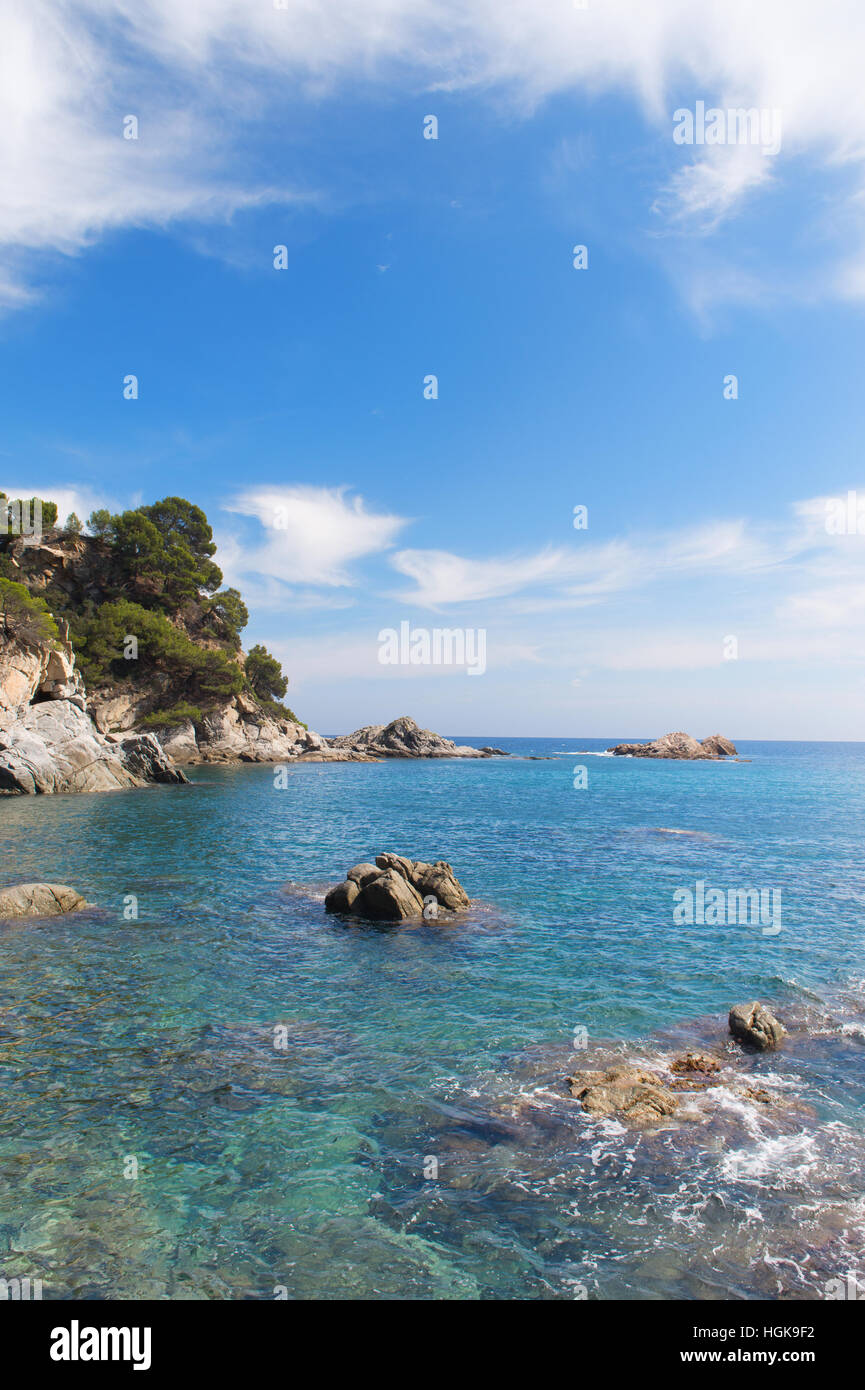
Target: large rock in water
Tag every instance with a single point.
(39, 900)
(634, 1095)
(755, 1026)
(719, 747)
(677, 745)
(388, 898)
(403, 738)
(395, 888)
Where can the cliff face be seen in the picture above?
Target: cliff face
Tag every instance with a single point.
(48, 742)
(77, 576)
(234, 730)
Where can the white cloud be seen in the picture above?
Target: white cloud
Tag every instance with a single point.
(69, 73)
(586, 573)
(70, 497)
(311, 535)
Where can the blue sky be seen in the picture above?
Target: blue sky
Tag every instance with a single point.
(299, 392)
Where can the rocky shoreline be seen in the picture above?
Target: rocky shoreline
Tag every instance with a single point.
(54, 738)
(48, 740)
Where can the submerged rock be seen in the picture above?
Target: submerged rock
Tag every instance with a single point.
(638, 1096)
(700, 1062)
(394, 888)
(39, 900)
(678, 745)
(754, 1025)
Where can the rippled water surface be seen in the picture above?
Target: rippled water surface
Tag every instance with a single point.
(414, 1137)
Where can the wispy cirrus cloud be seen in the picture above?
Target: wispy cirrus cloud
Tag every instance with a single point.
(69, 73)
(587, 572)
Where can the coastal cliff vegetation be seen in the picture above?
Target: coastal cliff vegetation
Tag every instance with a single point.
(140, 595)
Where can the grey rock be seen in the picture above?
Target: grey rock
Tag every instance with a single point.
(388, 898)
(397, 862)
(362, 873)
(342, 897)
(48, 741)
(39, 900)
(403, 738)
(719, 747)
(395, 887)
(756, 1026)
(440, 880)
(146, 758)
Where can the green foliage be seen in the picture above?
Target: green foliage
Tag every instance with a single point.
(18, 515)
(279, 711)
(155, 563)
(171, 718)
(23, 616)
(100, 639)
(188, 542)
(136, 543)
(168, 544)
(99, 523)
(264, 674)
(230, 610)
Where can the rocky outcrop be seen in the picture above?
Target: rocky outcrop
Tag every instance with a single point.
(677, 745)
(719, 747)
(756, 1026)
(395, 888)
(638, 1096)
(39, 900)
(49, 743)
(403, 738)
(236, 730)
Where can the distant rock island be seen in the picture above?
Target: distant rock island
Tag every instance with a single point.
(403, 738)
(678, 745)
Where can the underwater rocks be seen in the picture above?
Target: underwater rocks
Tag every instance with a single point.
(678, 745)
(638, 1096)
(754, 1025)
(395, 888)
(39, 900)
(699, 1062)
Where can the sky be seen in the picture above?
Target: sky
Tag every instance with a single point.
(708, 589)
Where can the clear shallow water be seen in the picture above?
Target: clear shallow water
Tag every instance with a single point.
(304, 1168)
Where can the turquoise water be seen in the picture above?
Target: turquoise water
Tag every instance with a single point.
(413, 1137)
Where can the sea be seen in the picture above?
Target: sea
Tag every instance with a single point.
(212, 1089)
